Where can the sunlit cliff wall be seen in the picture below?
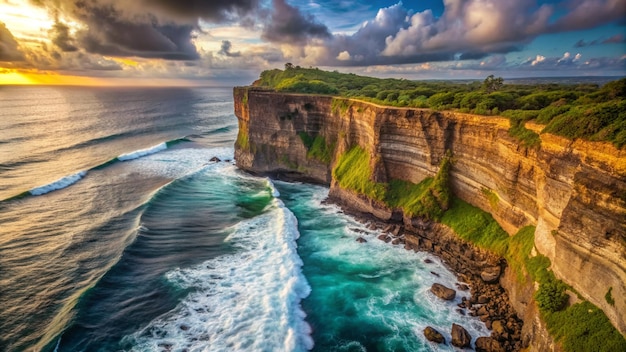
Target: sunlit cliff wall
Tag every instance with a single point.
(573, 191)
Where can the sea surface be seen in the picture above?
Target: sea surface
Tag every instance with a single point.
(118, 233)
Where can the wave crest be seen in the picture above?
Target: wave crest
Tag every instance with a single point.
(58, 184)
(248, 301)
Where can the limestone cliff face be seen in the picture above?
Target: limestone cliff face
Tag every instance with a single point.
(573, 191)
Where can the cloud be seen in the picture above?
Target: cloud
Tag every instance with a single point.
(585, 14)
(226, 47)
(9, 49)
(615, 39)
(465, 30)
(61, 37)
(289, 25)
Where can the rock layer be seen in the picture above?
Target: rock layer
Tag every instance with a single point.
(573, 191)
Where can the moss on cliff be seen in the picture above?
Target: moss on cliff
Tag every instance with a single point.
(317, 147)
(353, 172)
(428, 199)
(243, 140)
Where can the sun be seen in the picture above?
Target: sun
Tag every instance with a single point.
(15, 78)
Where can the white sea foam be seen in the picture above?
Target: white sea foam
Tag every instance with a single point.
(143, 152)
(58, 184)
(275, 192)
(436, 312)
(247, 301)
(175, 163)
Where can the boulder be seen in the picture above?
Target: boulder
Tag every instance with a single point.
(433, 335)
(482, 299)
(498, 327)
(215, 159)
(382, 237)
(443, 292)
(462, 287)
(491, 275)
(361, 240)
(488, 344)
(428, 261)
(460, 337)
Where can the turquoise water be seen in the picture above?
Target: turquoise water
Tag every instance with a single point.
(118, 234)
(367, 296)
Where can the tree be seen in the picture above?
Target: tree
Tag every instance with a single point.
(491, 83)
(288, 66)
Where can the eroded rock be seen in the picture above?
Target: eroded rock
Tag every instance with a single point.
(443, 292)
(460, 337)
(491, 275)
(433, 335)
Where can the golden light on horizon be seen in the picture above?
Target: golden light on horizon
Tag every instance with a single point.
(15, 78)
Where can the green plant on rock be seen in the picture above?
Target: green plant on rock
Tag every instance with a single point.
(609, 297)
(551, 296)
(492, 197)
(353, 172)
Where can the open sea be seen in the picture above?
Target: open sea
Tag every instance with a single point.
(117, 233)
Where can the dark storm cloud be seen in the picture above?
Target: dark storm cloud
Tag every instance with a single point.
(289, 25)
(226, 49)
(61, 37)
(144, 28)
(9, 49)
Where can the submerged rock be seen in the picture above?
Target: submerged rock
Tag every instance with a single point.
(433, 335)
(460, 337)
(443, 292)
(361, 240)
(215, 159)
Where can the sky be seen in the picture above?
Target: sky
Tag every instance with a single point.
(229, 42)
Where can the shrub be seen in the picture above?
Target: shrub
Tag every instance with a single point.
(551, 296)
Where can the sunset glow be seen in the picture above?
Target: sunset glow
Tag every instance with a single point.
(220, 42)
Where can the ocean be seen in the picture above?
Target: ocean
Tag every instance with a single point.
(118, 233)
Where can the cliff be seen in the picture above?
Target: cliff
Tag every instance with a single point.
(574, 192)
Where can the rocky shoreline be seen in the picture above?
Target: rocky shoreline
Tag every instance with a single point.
(478, 268)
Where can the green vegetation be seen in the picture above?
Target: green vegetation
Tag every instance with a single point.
(244, 100)
(573, 111)
(317, 148)
(353, 172)
(583, 327)
(551, 295)
(609, 297)
(428, 199)
(243, 141)
(476, 226)
(491, 197)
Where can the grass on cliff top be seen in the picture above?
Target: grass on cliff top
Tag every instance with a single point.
(587, 111)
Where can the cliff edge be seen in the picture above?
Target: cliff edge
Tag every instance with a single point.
(574, 192)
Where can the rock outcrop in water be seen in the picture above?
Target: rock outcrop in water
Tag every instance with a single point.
(573, 191)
